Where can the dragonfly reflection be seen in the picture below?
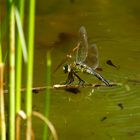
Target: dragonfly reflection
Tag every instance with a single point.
(86, 60)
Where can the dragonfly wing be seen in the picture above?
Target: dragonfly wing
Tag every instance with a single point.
(92, 59)
(68, 57)
(82, 50)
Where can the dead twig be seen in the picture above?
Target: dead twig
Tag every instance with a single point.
(59, 86)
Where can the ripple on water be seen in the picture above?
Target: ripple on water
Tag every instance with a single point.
(123, 110)
(122, 92)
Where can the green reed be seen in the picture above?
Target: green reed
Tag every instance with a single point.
(2, 108)
(17, 50)
(0, 40)
(11, 70)
(20, 43)
(20, 8)
(30, 44)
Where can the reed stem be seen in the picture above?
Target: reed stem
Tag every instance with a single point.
(2, 109)
(11, 71)
(30, 45)
(19, 60)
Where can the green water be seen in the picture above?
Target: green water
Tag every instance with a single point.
(93, 113)
(104, 113)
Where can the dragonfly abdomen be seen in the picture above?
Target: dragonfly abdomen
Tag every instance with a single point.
(98, 76)
(101, 78)
(81, 67)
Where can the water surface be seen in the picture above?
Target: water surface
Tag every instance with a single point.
(104, 113)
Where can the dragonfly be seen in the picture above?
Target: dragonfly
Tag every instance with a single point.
(86, 60)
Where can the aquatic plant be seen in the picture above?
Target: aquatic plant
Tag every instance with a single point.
(18, 47)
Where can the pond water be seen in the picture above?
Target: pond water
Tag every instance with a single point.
(103, 113)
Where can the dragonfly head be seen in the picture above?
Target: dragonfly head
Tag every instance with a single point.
(66, 68)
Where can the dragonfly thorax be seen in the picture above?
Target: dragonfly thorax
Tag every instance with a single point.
(81, 67)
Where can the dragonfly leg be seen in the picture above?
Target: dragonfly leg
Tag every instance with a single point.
(70, 78)
(81, 82)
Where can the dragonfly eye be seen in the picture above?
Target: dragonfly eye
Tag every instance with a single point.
(65, 68)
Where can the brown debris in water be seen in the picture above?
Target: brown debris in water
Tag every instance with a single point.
(109, 62)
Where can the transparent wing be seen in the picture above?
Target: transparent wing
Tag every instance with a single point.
(92, 59)
(82, 50)
(68, 57)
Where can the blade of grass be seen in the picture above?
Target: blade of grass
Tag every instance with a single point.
(3, 31)
(20, 42)
(30, 67)
(2, 110)
(0, 47)
(20, 47)
(0, 52)
(0, 30)
(21, 34)
(11, 71)
(0, 37)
